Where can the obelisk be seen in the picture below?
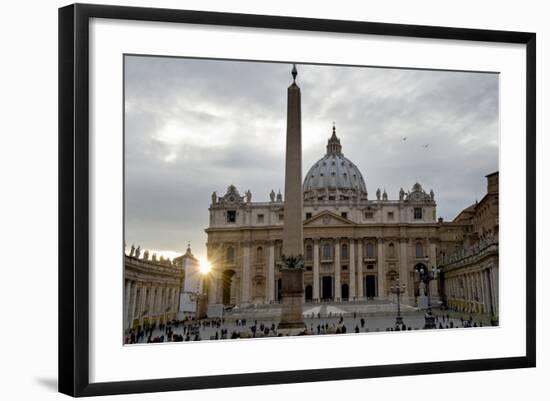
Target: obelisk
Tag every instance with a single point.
(292, 266)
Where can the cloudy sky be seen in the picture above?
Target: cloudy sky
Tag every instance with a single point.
(196, 126)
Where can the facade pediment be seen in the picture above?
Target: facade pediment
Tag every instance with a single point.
(327, 218)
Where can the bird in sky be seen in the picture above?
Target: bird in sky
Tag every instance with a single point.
(426, 146)
(404, 138)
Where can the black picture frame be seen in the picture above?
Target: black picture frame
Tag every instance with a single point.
(74, 198)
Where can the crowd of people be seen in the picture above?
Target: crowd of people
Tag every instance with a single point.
(221, 329)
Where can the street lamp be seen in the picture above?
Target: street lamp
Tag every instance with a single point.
(425, 276)
(398, 289)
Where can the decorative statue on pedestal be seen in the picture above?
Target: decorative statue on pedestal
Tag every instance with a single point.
(292, 262)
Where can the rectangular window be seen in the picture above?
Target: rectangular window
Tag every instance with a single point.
(417, 213)
(281, 216)
(260, 218)
(390, 216)
(308, 215)
(344, 267)
(370, 267)
(231, 216)
(369, 215)
(345, 215)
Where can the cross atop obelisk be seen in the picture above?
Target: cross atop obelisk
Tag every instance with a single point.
(292, 274)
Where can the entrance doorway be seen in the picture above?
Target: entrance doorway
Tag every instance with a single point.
(345, 291)
(309, 293)
(327, 288)
(279, 287)
(227, 278)
(370, 286)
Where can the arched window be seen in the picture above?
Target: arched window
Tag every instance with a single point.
(344, 251)
(309, 252)
(230, 255)
(419, 250)
(370, 250)
(259, 254)
(391, 250)
(327, 251)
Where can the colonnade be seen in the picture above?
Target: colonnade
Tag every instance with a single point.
(149, 302)
(473, 290)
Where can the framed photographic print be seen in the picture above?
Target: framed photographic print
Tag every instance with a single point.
(277, 199)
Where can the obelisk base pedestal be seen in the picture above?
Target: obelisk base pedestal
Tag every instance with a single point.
(292, 292)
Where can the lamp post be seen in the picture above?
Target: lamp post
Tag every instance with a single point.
(398, 289)
(425, 276)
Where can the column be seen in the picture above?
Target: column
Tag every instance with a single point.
(474, 287)
(142, 299)
(155, 309)
(169, 299)
(163, 304)
(351, 269)
(134, 304)
(403, 271)
(481, 292)
(434, 289)
(360, 291)
(481, 280)
(245, 274)
(380, 262)
(467, 290)
(470, 290)
(316, 279)
(159, 302)
(212, 289)
(270, 296)
(337, 285)
(475, 294)
(127, 296)
(456, 287)
(477, 288)
(494, 270)
(175, 301)
(486, 292)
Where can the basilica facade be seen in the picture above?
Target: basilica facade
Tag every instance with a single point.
(355, 248)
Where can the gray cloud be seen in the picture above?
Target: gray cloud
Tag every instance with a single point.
(196, 126)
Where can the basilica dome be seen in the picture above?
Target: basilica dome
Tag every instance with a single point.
(334, 176)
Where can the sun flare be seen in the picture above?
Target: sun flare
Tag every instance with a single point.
(205, 266)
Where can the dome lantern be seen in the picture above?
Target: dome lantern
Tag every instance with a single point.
(333, 146)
